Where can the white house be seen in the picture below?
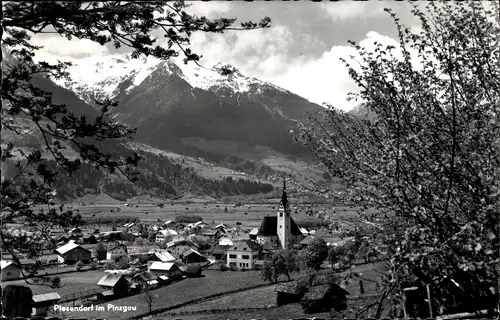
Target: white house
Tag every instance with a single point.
(10, 270)
(243, 254)
(169, 269)
(116, 250)
(162, 255)
(72, 253)
(162, 234)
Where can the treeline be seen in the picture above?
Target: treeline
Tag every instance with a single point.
(158, 176)
(228, 161)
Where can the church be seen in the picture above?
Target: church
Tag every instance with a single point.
(280, 231)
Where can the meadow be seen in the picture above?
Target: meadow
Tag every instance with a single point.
(250, 215)
(70, 283)
(266, 296)
(213, 282)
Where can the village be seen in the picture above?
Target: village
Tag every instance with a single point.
(141, 257)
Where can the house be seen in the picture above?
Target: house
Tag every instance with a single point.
(253, 233)
(243, 254)
(177, 246)
(43, 302)
(77, 232)
(169, 223)
(117, 235)
(71, 253)
(219, 252)
(200, 224)
(168, 269)
(281, 229)
(116, 284)
(191, 256)
(323, 298)
(165, 233)
(10, 270)
(191, 271)
(307, 241)
(116, 250)
(160, 255)
(320, 297)
(221, 226)
(89, 239)
(304, 231)
(230, 239)
(212, 235)
(146, 280)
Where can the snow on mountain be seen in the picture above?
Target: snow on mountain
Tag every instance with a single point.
(106, 77)
(97, 79)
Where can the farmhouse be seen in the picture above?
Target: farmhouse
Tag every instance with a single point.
(42, 303)
(162, 234)
(213, 235)
(10, 270)
(89, 239)
(191, 256)
(77, 232)
(281, 229)
(178, 246)
(230, 239)
(161, 256)
(71, 253)
(219, 252)
(307, 241)
(243, 254)
(320, 297)
(221, 227)
(116, 250)
(200, 224)
(114, 283)
(146, 279)
(254, 233)
(191, 271)
(169, 269)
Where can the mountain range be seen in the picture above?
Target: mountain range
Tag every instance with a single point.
(198, 132)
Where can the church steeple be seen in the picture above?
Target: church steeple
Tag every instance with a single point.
(284, 199)
(284, 220)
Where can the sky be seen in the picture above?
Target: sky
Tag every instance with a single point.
(300, 52)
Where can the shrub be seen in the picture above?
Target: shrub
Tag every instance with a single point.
(56, 282)
(79, 266)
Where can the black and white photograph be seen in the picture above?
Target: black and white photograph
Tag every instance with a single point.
(244, 160)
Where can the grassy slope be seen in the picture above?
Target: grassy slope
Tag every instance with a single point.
(214, 282)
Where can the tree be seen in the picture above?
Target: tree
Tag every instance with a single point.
(425, 151)
(100, 251)
(148, 297)
(79, 266)
(333, 255)
(291, 263)
(27, 106)
(312, 256)
(267, 272)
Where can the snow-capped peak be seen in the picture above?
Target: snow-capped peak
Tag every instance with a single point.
(107, 76)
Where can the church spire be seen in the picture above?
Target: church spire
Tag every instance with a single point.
(284, 199)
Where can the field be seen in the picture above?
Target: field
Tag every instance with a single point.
(266, 296)
(70, 283)
(212, 283)
(284, 312)
(211, 213)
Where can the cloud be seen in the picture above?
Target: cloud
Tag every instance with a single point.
(208, 9)
(345, 10)
(326, 79)
(262, 51)
(55, 46)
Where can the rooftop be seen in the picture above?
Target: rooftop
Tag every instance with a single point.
(109, 280)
